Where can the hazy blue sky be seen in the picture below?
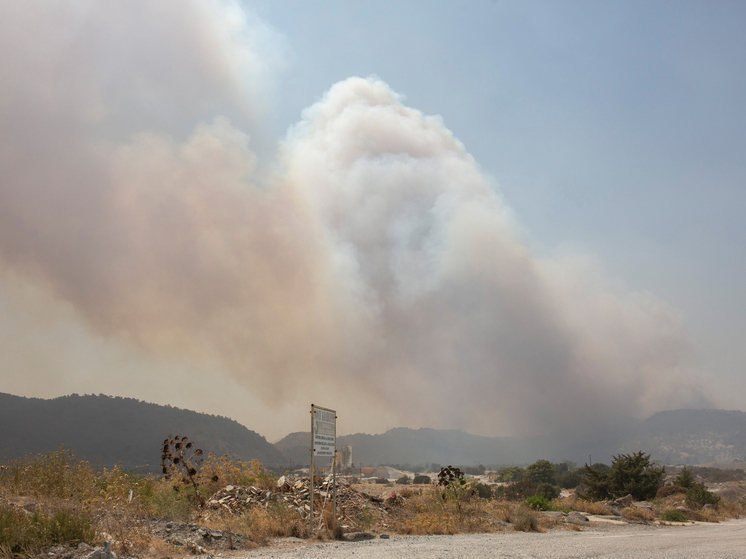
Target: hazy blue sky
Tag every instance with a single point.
(199, 207)
(616, 127)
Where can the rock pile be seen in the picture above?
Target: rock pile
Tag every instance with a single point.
(295, 495)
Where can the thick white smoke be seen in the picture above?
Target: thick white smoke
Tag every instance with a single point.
(370, 254)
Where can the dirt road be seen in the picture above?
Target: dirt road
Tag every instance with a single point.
(718, 541)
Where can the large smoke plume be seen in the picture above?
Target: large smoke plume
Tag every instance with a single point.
(368, 255)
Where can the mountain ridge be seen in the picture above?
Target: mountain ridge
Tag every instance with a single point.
(107, 430)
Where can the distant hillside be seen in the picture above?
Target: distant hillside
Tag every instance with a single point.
(693, 436)
(427, 446)
(671, 437)
(107, 430)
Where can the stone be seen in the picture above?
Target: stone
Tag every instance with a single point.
(576, 517)
(623, 501)
(357, 536)
(642, 505)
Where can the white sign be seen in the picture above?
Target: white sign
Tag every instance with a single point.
(324, 432)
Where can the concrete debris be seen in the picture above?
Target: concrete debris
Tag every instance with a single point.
(195, 538)
(295, 495)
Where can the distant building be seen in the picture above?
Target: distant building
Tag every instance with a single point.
(345, 458)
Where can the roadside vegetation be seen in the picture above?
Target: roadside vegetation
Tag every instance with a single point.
(56, 499)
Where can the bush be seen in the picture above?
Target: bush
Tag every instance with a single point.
(685, 479)
(421, 480)
(548, 491)
(674, 516)
(698, 496)
(24, 533)
(519, 490)
(55, 474)
(513, 473)
(403, 480)
(595, 483)
(537, 502)
(668, 490)
(569, 479)
(541, 471)
(483, 491)
(381, 481)
(630, 474)
(525, 520)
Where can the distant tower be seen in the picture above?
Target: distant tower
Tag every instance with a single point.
(345, 458)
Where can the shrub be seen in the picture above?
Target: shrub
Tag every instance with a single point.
(537, 502)
(217, 472)
(519, 490)
(595, 483)
(421, 480)
(541, 471)
(513, 473)
(685, 479)
(630, 474)
(698, 496)
(381, 481)
(55, 474)
(403, 480)
(525, 520)
(638, 514)
(674, 516)
(548, 491)
(483, 491)
(24, 533)
(668, 490)
(569, 479)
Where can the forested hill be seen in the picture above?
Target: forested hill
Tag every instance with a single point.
(108, 430)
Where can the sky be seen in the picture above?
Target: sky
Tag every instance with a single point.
(502, 217)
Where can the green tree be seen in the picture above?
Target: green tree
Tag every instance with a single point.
(685, 479)
(548, 491)
(629, 474)
(595, 483)
(541, 471)
(570, 478)
(636, 475)
(513, 473)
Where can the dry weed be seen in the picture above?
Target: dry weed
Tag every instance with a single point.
(731, 509)
(525, 520)
(259, 525)
(638, 514)
(588, 507)
(430, 513)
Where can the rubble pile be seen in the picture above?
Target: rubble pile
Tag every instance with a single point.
(295, 494)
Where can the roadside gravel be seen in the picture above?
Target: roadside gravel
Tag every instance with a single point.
(726, 540)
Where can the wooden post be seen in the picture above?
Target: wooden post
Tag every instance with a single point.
(334, 477)
(311, 472)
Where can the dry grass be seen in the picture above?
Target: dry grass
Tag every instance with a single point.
(276, 521)
(525, 520)
(588, 507)
(638, 514)
(732, 509)
(429, 513)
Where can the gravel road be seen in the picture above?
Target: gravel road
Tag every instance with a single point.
(718, 541)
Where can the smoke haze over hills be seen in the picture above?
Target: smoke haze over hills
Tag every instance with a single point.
(367, 263)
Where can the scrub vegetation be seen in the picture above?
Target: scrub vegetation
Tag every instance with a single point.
(57, 499)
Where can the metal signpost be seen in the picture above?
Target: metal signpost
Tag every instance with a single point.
(324, 443)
